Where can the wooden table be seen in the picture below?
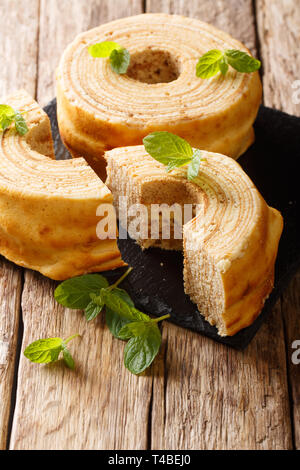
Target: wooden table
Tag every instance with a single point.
(198, 394)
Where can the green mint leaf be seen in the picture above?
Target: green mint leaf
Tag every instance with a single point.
(75, 292)
(136, 328)
(241, 61)
(103, 49)
(113, 320)
(114, 301)
(223, 66)
(44, 351)
(92, 310)
(209, 64)
(119, 60)
(69, 361)
(168, 149)
(118, 56)
(20, 124)
(97, 299)
(140, 351)
(7, 116)
(122, 294)
(193, 168)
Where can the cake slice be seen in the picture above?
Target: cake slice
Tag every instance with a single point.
(48, 208)
(230, 241)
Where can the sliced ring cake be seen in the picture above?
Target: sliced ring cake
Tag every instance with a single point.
(231, 243)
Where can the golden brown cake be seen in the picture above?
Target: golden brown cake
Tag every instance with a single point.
(231, 243)
(47, 207)
(99, 110)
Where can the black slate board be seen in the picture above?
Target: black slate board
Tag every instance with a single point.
(156, 283)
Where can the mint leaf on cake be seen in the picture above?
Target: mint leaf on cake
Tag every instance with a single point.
(241, 61)
(173, 152)
(120, 60)
(8, 115)
(103, 49)
(209, 64)
(119, 56)
(215, 61)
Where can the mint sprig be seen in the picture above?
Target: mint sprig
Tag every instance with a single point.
(77, 292)
(8, 115)
(119, 56)
(215, 60)
(92, 293)
(173, 152)
(114, 321)
(45, 351)
(141, 349)
(120, 60)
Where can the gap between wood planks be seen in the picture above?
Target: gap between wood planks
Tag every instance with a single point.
(16, 368)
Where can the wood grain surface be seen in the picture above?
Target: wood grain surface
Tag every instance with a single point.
(15, 73)
(198, 394)
(279, 35)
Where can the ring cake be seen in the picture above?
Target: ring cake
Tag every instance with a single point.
(99, 110)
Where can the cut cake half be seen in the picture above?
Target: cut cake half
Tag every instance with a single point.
(230, 242)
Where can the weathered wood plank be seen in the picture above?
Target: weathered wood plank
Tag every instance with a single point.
(228, 15)
(223, 399)
(10, 292)
(61, 22)
(291, 309)
(100, 405)
(279, 35)
(18, 52)
(15, 73)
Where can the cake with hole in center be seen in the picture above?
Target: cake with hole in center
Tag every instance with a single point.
(99, 109)
(48, 208)
(229, 246)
